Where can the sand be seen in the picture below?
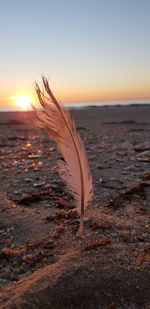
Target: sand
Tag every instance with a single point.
(44, 263)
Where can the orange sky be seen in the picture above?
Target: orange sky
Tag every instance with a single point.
(84, 92)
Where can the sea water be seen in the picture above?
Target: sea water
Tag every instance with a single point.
(78, 105)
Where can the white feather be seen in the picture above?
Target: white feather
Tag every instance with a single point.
(61, 128)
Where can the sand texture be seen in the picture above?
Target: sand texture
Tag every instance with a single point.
(43, 261)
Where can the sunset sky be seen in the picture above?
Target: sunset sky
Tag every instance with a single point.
(91, 50)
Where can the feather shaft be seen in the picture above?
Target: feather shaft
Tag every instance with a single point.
(76, 148)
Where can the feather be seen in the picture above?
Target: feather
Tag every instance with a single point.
(56, 120)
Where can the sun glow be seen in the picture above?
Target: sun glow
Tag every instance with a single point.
(23, 101)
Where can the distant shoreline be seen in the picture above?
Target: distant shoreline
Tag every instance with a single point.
(138, 113)
(78, 106)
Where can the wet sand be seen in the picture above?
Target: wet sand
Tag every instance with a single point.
(44, 263)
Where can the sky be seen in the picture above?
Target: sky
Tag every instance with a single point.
(91, 50)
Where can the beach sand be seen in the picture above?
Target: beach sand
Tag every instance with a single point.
(44, 263)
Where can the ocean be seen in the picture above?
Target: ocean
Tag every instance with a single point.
(78, 105)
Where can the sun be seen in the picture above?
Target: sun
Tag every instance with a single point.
(24, 101)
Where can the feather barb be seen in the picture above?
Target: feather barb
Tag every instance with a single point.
(56, 120)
